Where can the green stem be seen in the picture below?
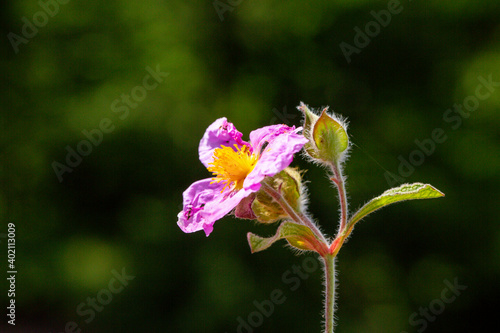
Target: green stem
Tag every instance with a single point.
(298, 217)
(329, 262)
(338, 180)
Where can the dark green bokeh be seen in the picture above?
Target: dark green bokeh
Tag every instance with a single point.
(117, 208)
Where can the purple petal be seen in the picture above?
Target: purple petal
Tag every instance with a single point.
(223, 204)
(266, 134)
(196, 197)
(220, 132)
(205, 203)
(277, 155)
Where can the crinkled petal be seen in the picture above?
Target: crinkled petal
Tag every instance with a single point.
(220, 132)
(276, 156)
(222, 205)
(265, 134)
(196, 197)
(204, 203)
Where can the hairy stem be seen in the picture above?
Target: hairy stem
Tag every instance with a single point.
(329, 262)
(298, 217)
(338, 180)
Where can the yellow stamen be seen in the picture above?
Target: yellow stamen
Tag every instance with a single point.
(232, 167)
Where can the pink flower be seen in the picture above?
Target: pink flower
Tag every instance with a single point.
(238, 168)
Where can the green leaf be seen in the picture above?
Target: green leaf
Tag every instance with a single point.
(298, 236)
(397, 194)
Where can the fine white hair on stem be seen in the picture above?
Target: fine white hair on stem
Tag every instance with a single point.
(329, 294)
(335, 186)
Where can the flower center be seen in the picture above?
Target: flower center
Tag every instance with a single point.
(232, 167)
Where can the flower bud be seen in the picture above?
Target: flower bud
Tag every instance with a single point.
(328, 140)
(288, 184)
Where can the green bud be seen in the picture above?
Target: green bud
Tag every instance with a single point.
(288, 183)
(330, 137)
(266, 209)
(328, 140)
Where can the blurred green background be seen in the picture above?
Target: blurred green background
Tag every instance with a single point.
(67, 70)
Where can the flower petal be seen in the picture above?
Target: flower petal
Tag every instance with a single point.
(284, 142)
(205, 203)
(265, 134)
(223, 204)
(220, 132)
(196, 197)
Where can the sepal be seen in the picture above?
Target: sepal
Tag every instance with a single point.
(298, 236)
(244, 208)
(310, 119)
